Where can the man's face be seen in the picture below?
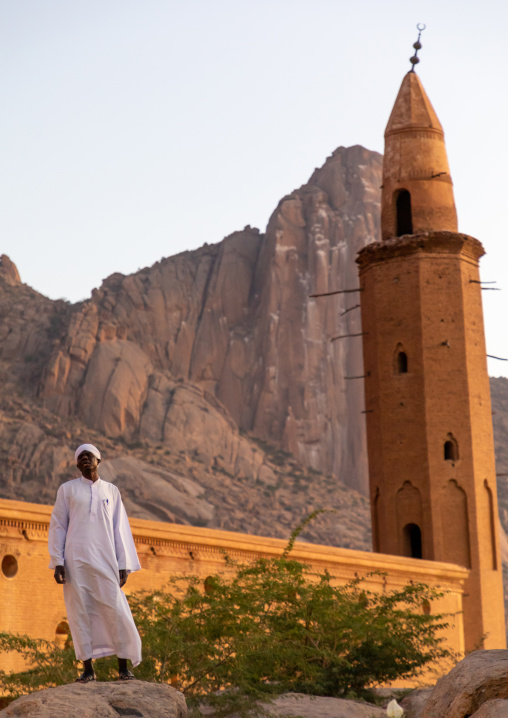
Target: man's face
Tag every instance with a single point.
(87, 463)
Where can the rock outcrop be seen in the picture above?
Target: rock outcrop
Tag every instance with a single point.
(101, 700)
(480, 677)
(300, 705)
(9, 270)
(493, 709)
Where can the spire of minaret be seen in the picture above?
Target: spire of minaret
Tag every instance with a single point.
(417, 187)
(412, 108)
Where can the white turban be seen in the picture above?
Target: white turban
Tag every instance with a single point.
(87, 447)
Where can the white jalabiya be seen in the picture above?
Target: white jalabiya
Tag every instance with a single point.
(89, 534)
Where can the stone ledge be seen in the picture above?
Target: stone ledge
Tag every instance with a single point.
(444, 243)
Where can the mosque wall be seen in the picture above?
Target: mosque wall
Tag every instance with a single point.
(32, 603)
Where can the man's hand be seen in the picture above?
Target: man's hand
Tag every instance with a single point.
(123, 577)
(59, 574)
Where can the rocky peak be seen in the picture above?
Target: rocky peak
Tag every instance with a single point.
(9, 270)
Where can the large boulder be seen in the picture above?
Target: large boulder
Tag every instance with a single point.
(298, 705)
(480, 677)
(101, 700)
(302, 706)
(493, 709)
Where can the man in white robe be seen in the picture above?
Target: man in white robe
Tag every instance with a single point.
(92, 552)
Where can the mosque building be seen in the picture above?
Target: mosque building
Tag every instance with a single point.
(429, 426)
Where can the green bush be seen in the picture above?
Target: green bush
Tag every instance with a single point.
(265, 628)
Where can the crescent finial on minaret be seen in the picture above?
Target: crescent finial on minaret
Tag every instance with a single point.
(417, 46)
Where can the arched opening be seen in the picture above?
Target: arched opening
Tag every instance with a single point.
(402, 363)
(62, 634)
(9, 566)
(409, 519)
(412, 540)
(426, 607)
(451, 448)
(404, 216)
(449, 451)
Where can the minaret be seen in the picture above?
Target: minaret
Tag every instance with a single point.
(429, 420)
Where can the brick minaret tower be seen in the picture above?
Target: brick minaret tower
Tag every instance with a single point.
(429, 423)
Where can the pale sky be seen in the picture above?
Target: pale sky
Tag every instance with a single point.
(132, 130)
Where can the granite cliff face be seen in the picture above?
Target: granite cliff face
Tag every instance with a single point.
(190, 351)
(209, 380)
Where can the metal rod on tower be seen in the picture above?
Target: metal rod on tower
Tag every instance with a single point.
(417, 46)
(339, 291)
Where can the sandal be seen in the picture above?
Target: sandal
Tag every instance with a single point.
(85, 678)
(126, 676)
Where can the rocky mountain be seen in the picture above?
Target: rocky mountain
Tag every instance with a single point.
(231, 328)
(211, 376)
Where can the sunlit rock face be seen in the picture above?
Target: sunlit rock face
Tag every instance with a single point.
(226, 337)
(300, 394)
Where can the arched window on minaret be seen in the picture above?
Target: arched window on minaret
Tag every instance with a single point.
(410, 520)
(403, 211)
(412, 537)
(400, 360)
(451, 448)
